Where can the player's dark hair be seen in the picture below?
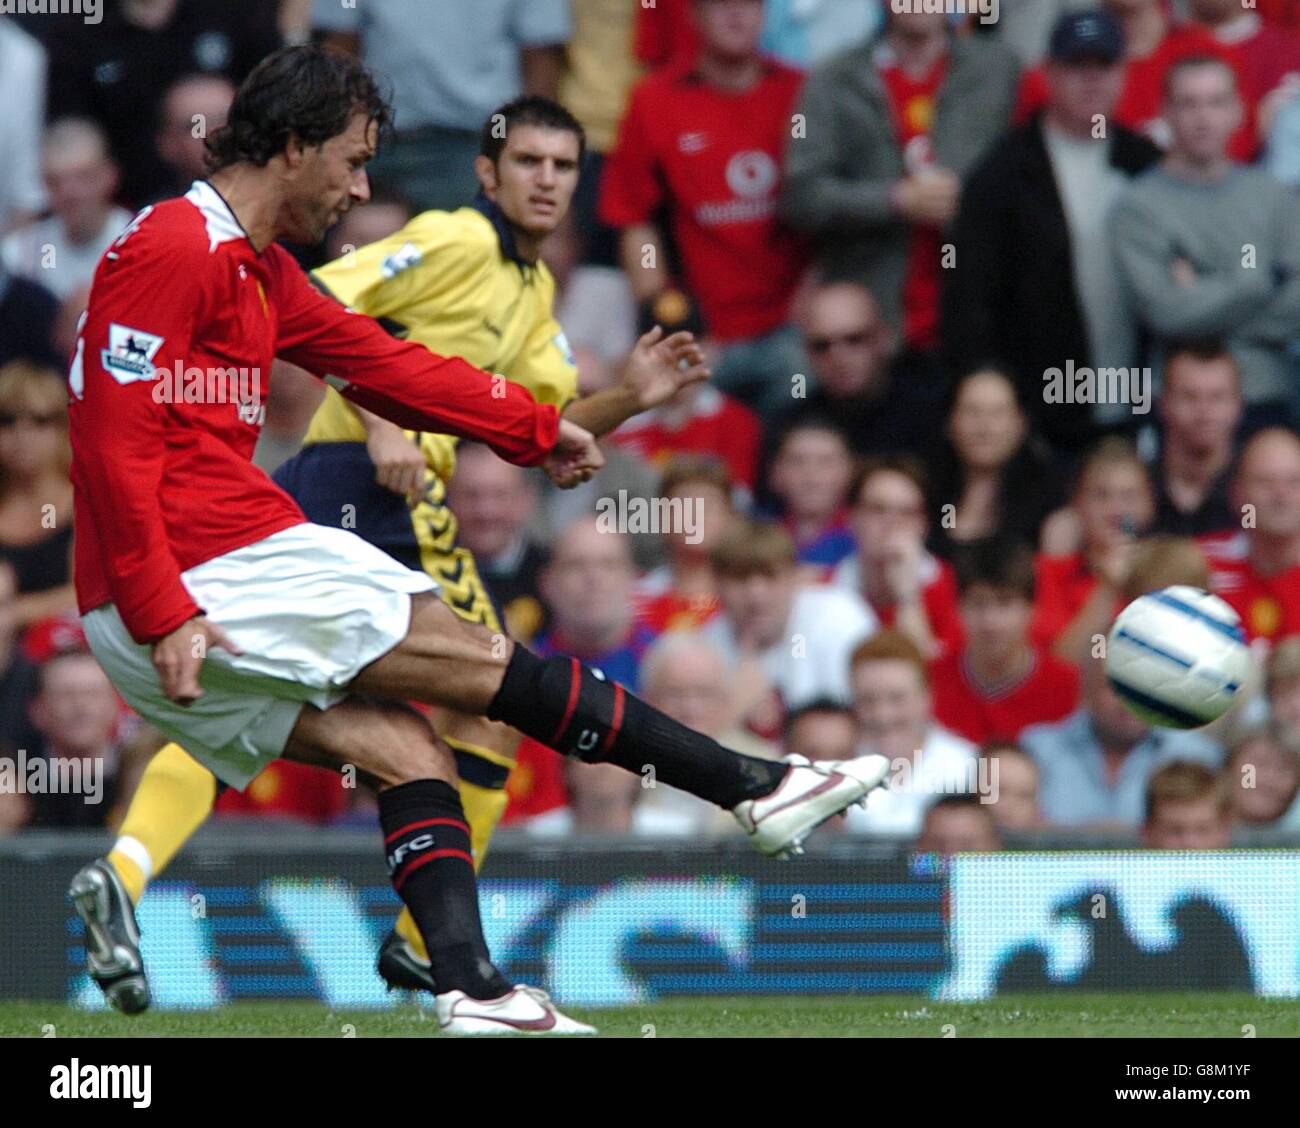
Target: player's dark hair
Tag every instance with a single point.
(998, 562)
(533, 109)
(308, 92)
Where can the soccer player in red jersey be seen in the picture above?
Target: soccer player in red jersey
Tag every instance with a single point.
(1257, 571)
(998, 682)
(245, 633)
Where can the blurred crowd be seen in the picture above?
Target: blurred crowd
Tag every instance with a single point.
(1004, 323)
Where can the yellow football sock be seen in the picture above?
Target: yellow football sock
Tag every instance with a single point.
(173, 798)
(484, 807)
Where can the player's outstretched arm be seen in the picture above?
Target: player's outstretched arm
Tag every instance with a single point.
(657, 370)
(402, 381)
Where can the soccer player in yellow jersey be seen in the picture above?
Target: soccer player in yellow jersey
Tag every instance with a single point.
(469, 283)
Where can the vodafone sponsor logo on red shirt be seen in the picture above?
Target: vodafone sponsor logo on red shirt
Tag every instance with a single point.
(752, 175)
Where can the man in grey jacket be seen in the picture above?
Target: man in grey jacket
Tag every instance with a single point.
(890, 129)
(1211, 248)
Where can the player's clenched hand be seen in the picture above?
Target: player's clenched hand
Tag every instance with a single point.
(178, 657)
(661, 366)
(399, 463)
(575, 458)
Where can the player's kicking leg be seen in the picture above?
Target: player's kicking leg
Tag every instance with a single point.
(427, 843)
(576, 711)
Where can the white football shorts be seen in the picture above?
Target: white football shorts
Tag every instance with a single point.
(310, 606)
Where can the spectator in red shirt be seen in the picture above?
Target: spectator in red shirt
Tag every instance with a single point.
(1088, 548)
(904, 585)
(291, 791)
(1258, 571)
(811, 475)
(699, 420)
(1265, 55)
(704, 143)
(998, 682)
(684, 592)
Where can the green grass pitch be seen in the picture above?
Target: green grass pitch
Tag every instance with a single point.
(1040, 1016)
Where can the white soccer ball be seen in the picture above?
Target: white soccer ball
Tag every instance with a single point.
(1177, 657)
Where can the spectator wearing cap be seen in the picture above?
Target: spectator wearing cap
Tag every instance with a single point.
(859, 377)
(61, 251)
(1035, 284)
(894, 125)
(1208, 247)
(1153, 42)
(703, 143)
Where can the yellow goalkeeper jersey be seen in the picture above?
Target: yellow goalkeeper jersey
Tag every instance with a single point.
(453, 282)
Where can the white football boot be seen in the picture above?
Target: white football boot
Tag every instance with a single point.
(524, 1010)
(811, 793)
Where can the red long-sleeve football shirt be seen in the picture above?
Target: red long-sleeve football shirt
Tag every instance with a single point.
(162, 486)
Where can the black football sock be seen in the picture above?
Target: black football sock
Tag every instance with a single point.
(426, 840)
(569, 707)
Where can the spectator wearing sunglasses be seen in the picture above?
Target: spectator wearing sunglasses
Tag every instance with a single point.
(857, 377)
(35, 493)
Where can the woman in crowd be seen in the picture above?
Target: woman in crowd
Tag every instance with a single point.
(35, 491)
(991, 475)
